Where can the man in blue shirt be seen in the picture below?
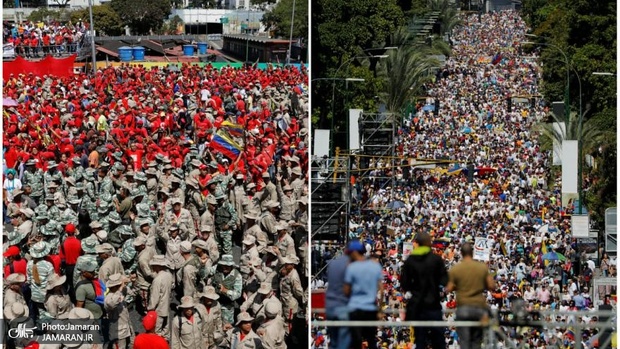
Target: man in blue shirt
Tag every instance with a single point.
(363, 283)
(336, 301)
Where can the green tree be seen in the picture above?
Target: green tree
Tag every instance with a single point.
(142, 16)
(106, 20)
(406, 70)
(586, 33)
(278, 20)
(342, 30)
(44, 14)
(448, 15)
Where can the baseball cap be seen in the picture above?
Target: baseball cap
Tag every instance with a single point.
(355, 246)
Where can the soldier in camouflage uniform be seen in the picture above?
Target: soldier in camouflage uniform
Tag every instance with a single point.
(118, 236)
(51, 235)
(90, 254)
(34, 178)
(51, 209)
(52, 173)
(91, 191)
(106, 185)
(225, 219)
(77, 171)
(59, 197)
(228, 284)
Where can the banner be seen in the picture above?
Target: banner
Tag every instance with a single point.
(60, 67)
(8, 50)
(482, 249)
(407, 248)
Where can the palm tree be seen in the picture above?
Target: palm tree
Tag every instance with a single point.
(405, 70)
(592, 136)
(448, 15)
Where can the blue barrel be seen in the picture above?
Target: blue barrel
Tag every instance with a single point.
(202, 48)
(125, 53)
(188, 50)
(138, 53)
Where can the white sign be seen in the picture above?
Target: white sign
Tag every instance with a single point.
(321, 143)
(580, 226)
(407, 248)
(8, 50)
(482, 249)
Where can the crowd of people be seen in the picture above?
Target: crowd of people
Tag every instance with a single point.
(39, 39)
(512, 200)
(176, 196)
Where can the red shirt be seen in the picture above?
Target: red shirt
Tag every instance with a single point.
(70, 250)
(150, 341)
(137, 158)
(19, 266)
(56, 262)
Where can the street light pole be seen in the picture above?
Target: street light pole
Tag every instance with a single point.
(92, 36)
(331, 141)
(566, 95)
(290, 39)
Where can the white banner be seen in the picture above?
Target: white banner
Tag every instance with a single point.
(580, 226)
(8, 50)
(354, 128)
(570, 169)
(407, 248)
(321, 143)
(482, 249)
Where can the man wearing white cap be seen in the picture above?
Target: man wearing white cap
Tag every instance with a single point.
(249, 250)
(291, 292)
(111, 264)
(255, 304)
(272, 331)
(190, 272)
(187, 327)
(208, 216)
(297, 183)
(144, 273)
(284, 242)
(253, 229)
(243, 337)
(288, 202)
(13, 292)
(160, 293)
(173, 244)
(27, 226)
(237, 197)
(211, 313)
(269, 192)
(183, 218)
(120, 330)
(206, 234)
(268, 220)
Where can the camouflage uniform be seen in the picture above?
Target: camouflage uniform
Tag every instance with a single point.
(234, 285)
(225, 215)
(35, 180)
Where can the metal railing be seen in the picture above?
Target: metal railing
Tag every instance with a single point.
(493, 328)
(43, 51)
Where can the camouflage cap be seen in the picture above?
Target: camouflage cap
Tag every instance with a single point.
(114, 217)
(128, 252)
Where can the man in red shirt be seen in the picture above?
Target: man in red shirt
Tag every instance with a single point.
(70, 250)
(16, 264)
(136, 155)
(150, 340)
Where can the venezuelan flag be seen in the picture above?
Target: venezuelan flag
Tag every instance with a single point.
(234, 130)
(223, 144)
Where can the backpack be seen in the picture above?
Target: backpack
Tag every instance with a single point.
(98, 286)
